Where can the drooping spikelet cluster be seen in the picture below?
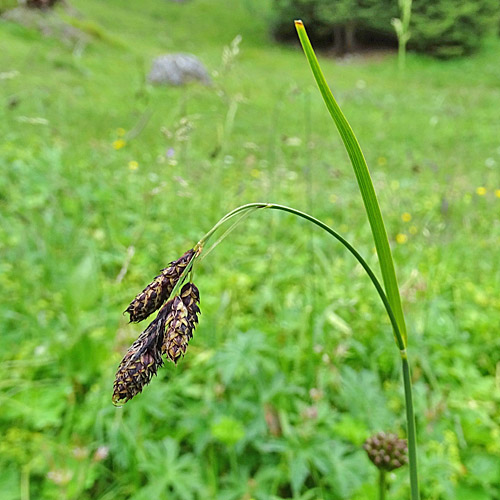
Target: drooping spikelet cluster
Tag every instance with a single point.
(168, 334)
(386, 451)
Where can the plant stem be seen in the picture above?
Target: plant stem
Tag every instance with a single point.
(410, 415)
(410, 422)
(378, 230)
(381, 484)
(397, 332)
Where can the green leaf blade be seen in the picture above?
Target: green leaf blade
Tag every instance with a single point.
(363, 178)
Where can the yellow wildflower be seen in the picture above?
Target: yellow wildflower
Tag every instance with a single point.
(401, 238)
(118, 144)
(406, 217)
(481, 191)
(133, 165)
(497, 193)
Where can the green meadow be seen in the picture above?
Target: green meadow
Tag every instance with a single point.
(105, 179)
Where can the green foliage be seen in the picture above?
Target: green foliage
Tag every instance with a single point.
(286, 11)
(290, 328)
(443, 28)
(326, 20)
(7, 4)
(449, 28)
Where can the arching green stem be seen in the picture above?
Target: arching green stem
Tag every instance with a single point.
(228, 216)
(400, 341)
(397, 333)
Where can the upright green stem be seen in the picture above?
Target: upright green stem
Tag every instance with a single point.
(381, 484)
(379, 232)
(410, 421)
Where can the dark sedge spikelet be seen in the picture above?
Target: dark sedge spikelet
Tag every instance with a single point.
(386, 451)
(181, 322)
(155, 294)
(141, 361)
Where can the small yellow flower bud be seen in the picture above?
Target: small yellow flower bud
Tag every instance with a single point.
(118, 144)
(401, 238)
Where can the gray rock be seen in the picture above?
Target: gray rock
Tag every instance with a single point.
(178, 69)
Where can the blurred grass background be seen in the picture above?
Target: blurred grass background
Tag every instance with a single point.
(106, 179)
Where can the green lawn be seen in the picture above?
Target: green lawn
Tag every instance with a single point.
(293, 364)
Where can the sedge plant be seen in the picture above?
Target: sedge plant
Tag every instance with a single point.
(176, 297)
(381, 242)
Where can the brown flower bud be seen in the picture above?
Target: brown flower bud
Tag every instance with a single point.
(386, 451)
(141, 361)
(168, 334)
(181, 322)
(157, 292)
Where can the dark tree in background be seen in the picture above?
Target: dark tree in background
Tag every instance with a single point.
(448, 28)
(351, 17)
(40, 4)
(338, 23)
(343, 16)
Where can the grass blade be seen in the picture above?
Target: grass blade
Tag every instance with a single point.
(379, 235)
(364, 181)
